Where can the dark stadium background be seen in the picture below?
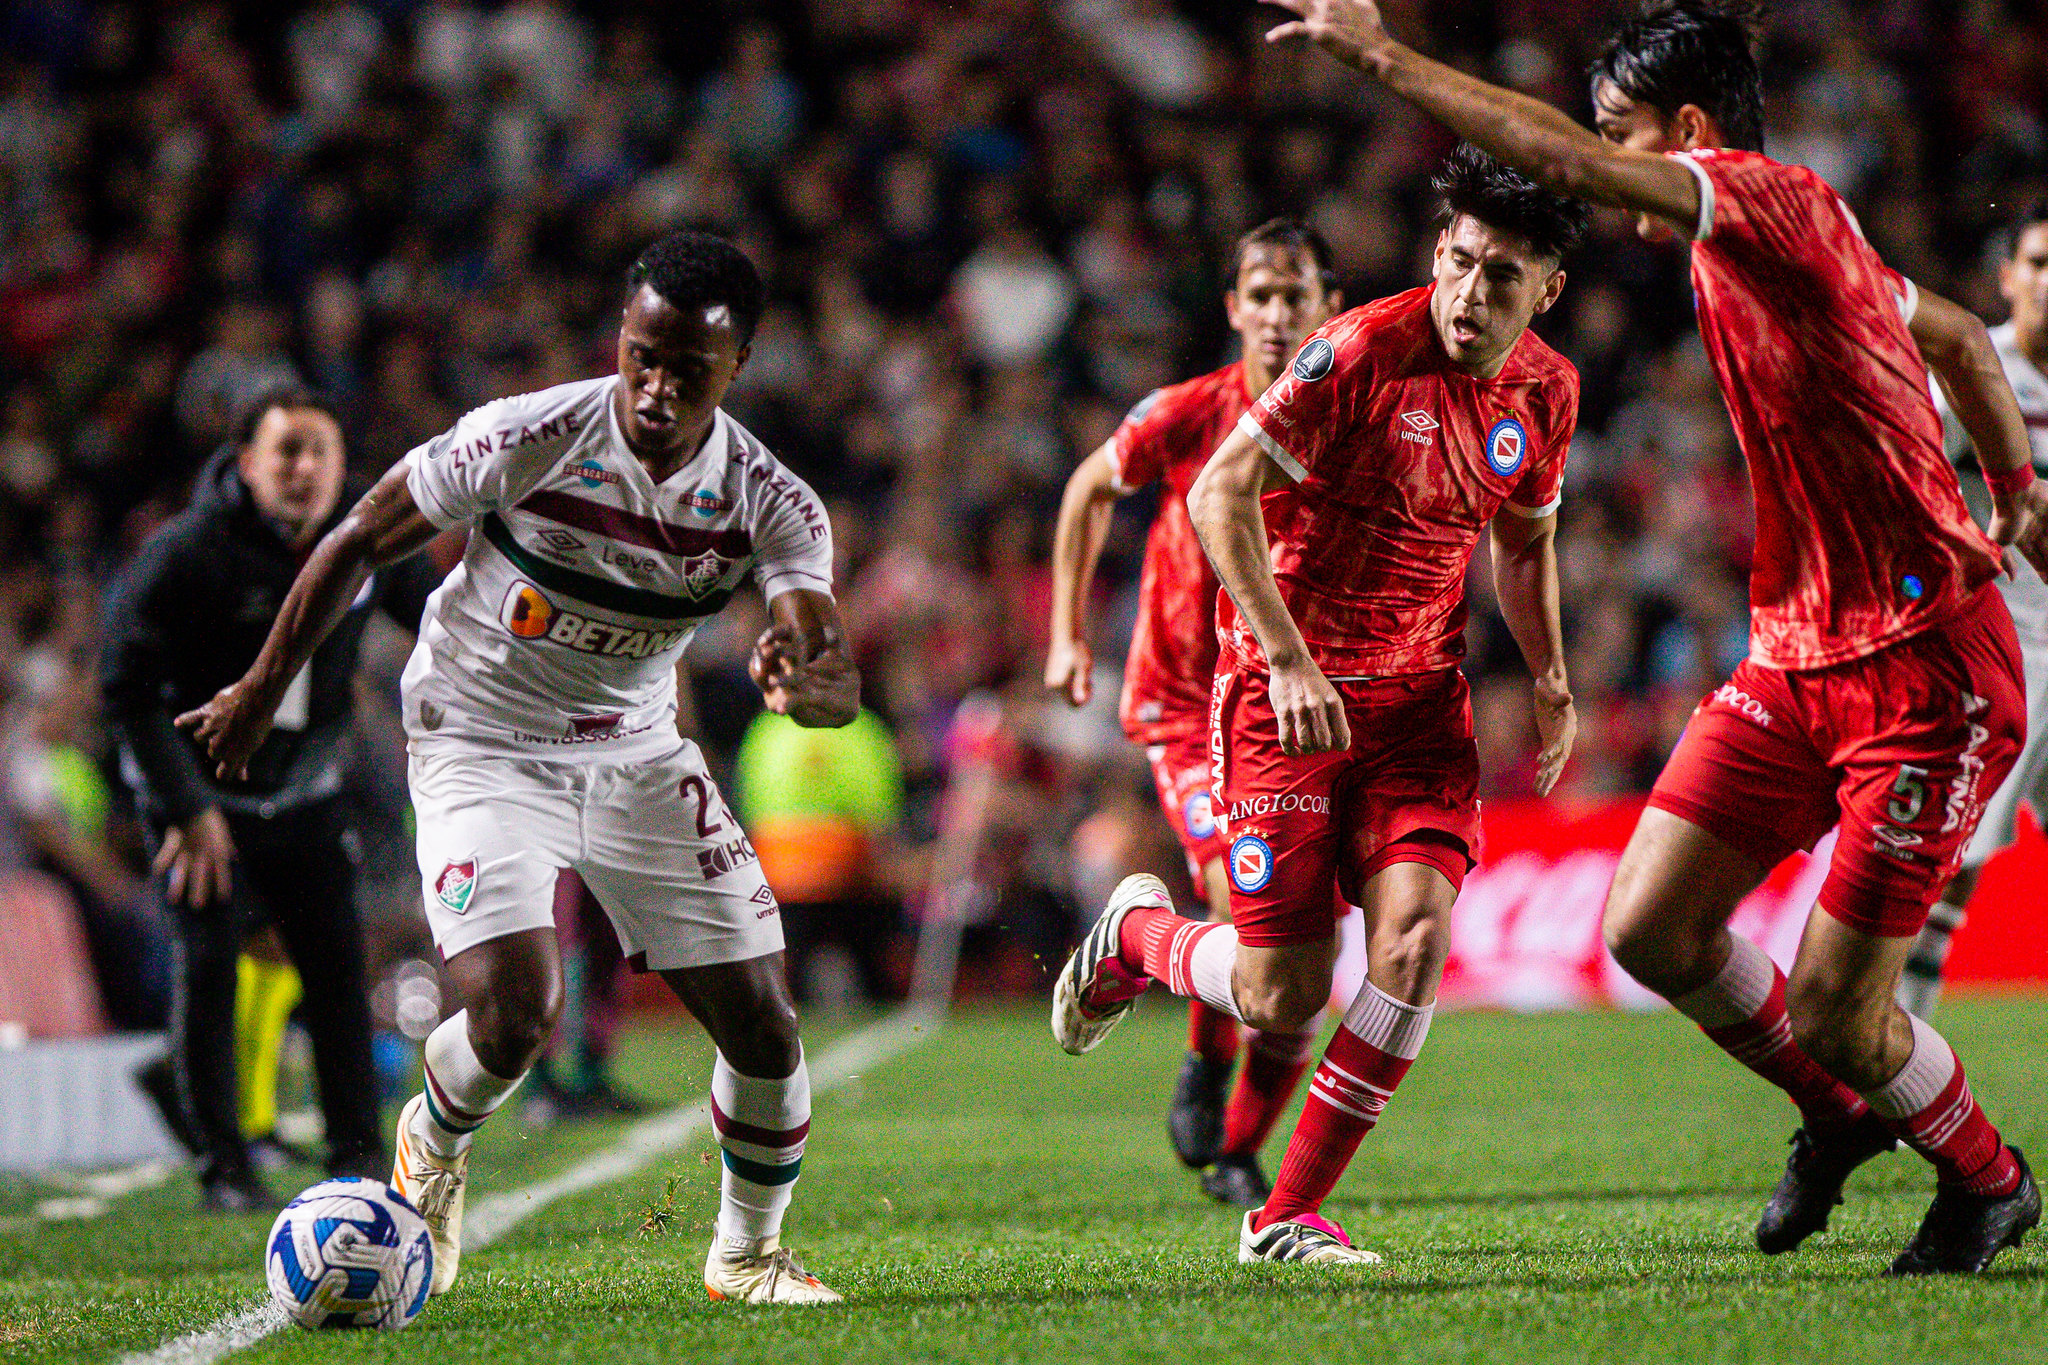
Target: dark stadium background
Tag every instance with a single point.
(988, 228)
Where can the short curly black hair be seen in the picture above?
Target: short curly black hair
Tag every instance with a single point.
(1700, 52)
(1474, 184)
(698, 270)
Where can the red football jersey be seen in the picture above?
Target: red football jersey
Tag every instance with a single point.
(1399, 460)
(1168, 437)
(1862, 538)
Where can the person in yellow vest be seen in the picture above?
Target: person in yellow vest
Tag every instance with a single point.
(821, 808)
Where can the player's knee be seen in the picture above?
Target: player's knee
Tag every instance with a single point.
(1412, 951)
(1282, 1002)
(764, 1044)
(1653, 951)
(512, 1026)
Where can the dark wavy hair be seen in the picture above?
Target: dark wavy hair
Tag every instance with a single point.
(697, 270)
(288, 394)
(1290, 234)
(1474, 184)
(1702, 52)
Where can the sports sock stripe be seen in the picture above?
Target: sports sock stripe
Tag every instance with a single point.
(740, 1131)
(450, 1116)
(760, 1172)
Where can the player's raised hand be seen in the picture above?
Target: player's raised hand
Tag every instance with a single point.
(232, 726)
(1070, 671)
(1310, 711)
(1557, 725)
(2019, 521)
(1349, 30)
(822, 690)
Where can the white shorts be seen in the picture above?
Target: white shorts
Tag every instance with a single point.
(653, 840)
(2028, 780)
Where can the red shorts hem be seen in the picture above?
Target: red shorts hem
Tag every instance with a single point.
(1440, 849)
(1873, 910)
(1768, 846)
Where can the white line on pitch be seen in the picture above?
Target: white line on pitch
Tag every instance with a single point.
(495, 1215)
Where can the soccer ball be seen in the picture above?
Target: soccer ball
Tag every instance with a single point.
(349, 1253)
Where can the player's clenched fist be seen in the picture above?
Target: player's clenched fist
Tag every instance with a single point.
(1349, 30)
(2020, 519)
(1069, 670)
(1308, 708)
(232, 726)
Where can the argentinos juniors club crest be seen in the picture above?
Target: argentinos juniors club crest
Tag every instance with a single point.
(705, 572)
(455, 884)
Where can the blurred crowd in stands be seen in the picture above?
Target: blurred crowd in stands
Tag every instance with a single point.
(988, 227)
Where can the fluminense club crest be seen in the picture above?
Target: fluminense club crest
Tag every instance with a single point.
(705, 572)
(455, 885)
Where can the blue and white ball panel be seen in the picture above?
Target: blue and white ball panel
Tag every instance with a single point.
(349, 1253)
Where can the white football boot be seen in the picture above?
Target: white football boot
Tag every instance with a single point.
(432, 1184)
(1094, 991)
(1311, 1239)
(774, 1276)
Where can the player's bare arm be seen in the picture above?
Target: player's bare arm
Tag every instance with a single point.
(1529, 135)
(1085, 511)
(1224, 506)
(384, 527)
(1954, 343)
(801, 663)
(1525, 581)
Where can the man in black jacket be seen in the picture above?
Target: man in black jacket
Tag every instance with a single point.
(184, 619)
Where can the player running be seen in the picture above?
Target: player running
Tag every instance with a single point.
(1341, 514)
(1883, 685)
(608, 519)
(2022, 345)
(1282, 288)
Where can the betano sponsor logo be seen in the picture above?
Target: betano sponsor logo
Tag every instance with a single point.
(528, 614)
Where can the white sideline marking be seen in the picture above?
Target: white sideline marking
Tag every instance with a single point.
(495, 1215)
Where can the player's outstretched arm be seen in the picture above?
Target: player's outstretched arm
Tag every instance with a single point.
(1954, 343)
(1525, 581)
(1541, 142)
(1085, 510)
(1224, 506)
(801, 663)
(385, 526)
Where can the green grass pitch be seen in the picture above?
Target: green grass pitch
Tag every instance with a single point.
(1565, 1188)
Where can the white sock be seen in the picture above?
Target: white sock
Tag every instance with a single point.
(1395, 1027)
(460, 1092)
(1738, 991)
(1209, 966)
(761, 1125)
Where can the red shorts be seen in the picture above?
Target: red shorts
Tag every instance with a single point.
(1901, 748)
(1405, 791)
(1180, 770)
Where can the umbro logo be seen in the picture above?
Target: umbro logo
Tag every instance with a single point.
(555, 538)
(1418, 426)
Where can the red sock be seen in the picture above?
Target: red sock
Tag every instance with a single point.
(1212, 1035)
(1273, 1065)
(1373, 1049)
(1929, 1104)
(1743, 1011)
(1144, 926)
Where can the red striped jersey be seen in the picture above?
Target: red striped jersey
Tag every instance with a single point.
(1167, 438)
(1862, 538)
(559, 631)
(1399, 460)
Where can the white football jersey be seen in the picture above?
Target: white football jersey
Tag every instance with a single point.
(559, 631)
(2025, 594)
